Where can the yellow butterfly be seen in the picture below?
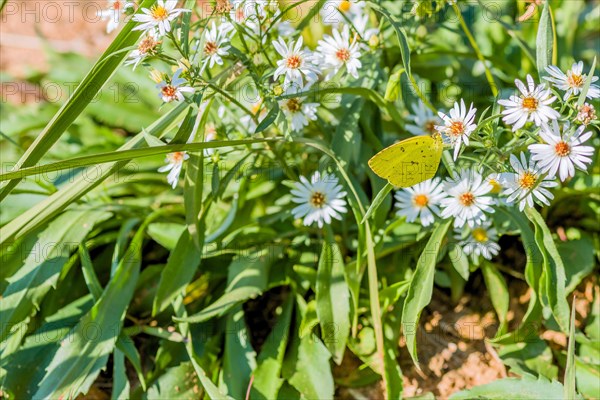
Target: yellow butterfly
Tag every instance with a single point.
(410, 161)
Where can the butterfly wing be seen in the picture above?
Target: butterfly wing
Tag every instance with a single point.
(408, 162)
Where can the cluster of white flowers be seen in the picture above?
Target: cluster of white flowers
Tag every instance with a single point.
(559, 149)
(549, 125)
(296, 67)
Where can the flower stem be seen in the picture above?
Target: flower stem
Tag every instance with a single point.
(465, 28)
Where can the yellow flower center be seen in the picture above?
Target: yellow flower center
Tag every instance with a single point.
(343, 55)
(575, 81)
(293, 105)
(429, 126)
(480, 235)
(530, 103)
(527, 180)
(467, 199)
(562, 149)
(210, 48)
(318, 200)
(147, 45)
(169, 91)
(345, 6)
(176, 157)
(159, 13)
(293, 62)
(456, 128)
(421, 200)
(496, 186)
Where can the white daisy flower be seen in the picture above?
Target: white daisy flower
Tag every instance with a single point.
(561, 153)
(423, 120)
(420, 201)
(481, 240)
(173, 91)
(159, 16)
(297, 110)
(215, 44)
(338, 51)
(115, 9)
(585, 114)
(532, 105)
(174, 164)
(320, 199)
(147, 47)
(468, 198)
(458, 126)
(572, 82)
(526, 183)
(296, 63)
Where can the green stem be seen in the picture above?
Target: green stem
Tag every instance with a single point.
(465, 28)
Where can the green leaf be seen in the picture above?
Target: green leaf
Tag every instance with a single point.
(42, 267)
(28, 364)
(393, 87)
(175, 381)
(400, 33)
(77, 363)
(378, 200)
(421, 288)
(579, 256)
(89, 275)
(586, 84)
(527, 388)
(267, 375)
(311, 374)
(239, 358)
(249, 277)
(127, 347)
(459, 261)
(498, 291)
(178, 273)
(269, 119)
(126, 155)
(554, 270)
(533, 271)
(45, 210)
(81, 97)
(545, 40)
(570, 391)
(120, 389)
(333, 303)
(166, 234)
